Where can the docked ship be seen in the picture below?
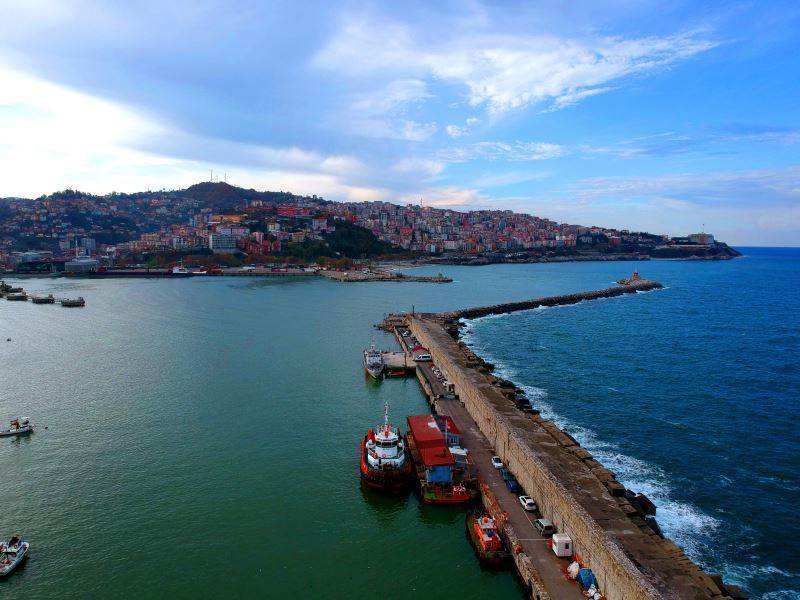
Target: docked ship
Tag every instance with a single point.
(373, 362)
(443, 469)
(385, 465)
(486, 540)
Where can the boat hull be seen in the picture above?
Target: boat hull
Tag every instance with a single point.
(435, 495)
(16, 561)
(388, 481)
(374, 373)
(20, 431)
(493, 559)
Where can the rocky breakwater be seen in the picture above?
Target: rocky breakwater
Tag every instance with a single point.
(609, 526)
(639, 285)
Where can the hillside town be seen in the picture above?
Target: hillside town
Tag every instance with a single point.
(222, 222)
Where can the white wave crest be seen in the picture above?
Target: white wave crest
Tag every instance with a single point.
(682, 522)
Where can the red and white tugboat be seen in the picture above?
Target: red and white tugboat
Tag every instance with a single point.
(385, 465)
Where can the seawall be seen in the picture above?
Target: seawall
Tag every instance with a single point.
(582, 498)
(640, 285)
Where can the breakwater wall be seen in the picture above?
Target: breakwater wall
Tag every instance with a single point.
(641, 285)
(582, 498)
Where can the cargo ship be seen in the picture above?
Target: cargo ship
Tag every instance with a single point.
(443, 469)
(486, 540)
(385, 465)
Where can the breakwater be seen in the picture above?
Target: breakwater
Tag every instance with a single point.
(609, 526)
(639, 285)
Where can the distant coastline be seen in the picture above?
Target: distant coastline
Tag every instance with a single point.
(721, 252)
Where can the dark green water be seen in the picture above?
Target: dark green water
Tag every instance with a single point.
(203, 441)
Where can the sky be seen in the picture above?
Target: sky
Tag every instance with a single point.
(670, 117)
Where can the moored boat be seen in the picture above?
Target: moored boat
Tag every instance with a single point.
(12, 553)
(18, 427)
(373, 362)
(385, 465)
(20, 296)
(442, 479)
(180, 271)
(486, 540)
(447, 494)
(49, 299)
(70, 303)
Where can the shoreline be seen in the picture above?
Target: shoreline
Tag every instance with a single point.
(350, 276)
(481, 262)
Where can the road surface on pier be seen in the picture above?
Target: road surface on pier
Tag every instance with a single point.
(549, 566)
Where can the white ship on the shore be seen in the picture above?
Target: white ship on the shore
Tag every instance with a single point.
(373, 362)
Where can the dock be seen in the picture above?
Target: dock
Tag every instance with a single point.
(609, 528)
(365, 275)
(398, 364)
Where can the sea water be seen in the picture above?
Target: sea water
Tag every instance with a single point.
(202, 434)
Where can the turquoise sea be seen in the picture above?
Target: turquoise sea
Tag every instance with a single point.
(202, 434)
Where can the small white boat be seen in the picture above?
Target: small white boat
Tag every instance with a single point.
(12, 553)
(18, 427)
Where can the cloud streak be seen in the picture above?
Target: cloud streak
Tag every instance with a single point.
(505, 72)
(510, 151)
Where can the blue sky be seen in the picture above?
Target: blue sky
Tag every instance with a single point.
(665, 117)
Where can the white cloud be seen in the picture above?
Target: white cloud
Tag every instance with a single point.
(744, 207)
(420, 168)
(54, 138)
(383, 113)
(455, 131)
(416, 132)
(777, 186)
(517, 151)
(504, 72)
(508, 178)
(447, 197)
(395, 95)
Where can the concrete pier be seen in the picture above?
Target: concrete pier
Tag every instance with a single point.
(572, 489)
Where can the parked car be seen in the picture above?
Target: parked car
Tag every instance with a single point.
(497, 463)
(513, 485)
(527, 503)
(545, 527)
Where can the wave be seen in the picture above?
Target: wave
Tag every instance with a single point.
(695, 531)
(685, 524)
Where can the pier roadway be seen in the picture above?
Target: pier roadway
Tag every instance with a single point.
(550, 568)
(437, 387)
